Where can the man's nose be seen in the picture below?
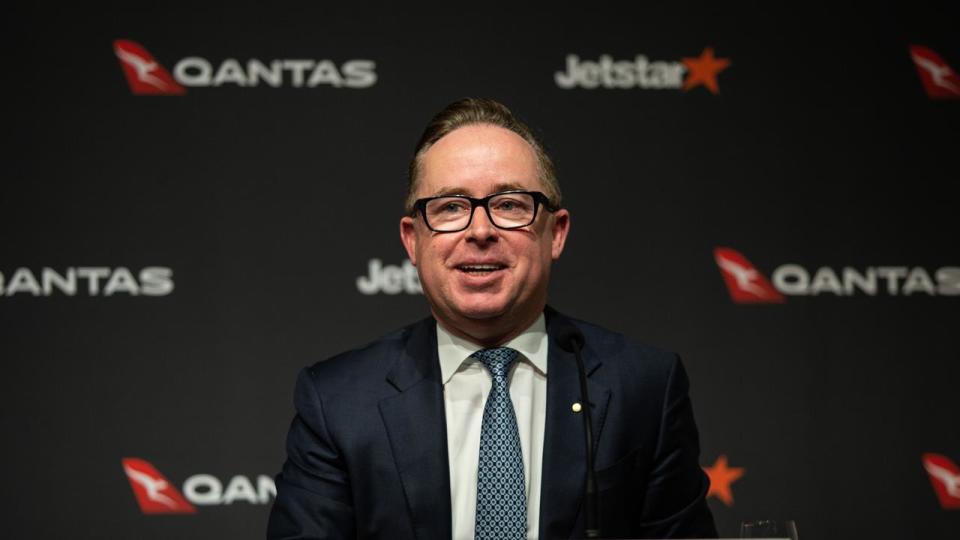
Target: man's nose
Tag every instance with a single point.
(481, 229)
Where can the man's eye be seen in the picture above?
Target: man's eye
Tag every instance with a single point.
(452, 208)
(510, 205)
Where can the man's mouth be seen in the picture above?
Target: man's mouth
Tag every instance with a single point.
(480, 269)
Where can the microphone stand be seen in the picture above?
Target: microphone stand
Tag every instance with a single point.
(591, 508)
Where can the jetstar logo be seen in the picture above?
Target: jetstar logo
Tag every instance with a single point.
(945, 478)
(156, 495)
(640, 72)
(747, 285)
(146, 76)
(722, 477)
(939, 80)
(389, 279)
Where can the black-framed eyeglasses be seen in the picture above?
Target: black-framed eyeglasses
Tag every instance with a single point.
(506, 210)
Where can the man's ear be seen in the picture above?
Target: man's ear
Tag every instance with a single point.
(408, 235)
(560, 229)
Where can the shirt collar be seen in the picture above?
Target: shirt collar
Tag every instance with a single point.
(531, 343)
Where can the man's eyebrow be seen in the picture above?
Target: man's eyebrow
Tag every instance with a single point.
(502, 186)
(448, 191)
(507, 186)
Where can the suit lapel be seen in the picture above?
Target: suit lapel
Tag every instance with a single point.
(416, 426)
(564, 453)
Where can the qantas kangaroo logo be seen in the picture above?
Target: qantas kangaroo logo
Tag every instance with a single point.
(939, 80)
(157, 495)
(145, 75)
(945, 478)
(154, 493)
(745, 283)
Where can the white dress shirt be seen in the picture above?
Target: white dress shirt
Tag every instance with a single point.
(466, 384)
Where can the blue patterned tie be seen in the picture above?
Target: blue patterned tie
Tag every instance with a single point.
(501, 493)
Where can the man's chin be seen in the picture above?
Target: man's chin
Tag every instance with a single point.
(482, 311)
(482, 314)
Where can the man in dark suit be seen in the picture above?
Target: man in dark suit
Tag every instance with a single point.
(468, 424)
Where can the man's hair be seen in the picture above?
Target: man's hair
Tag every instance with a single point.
(473, 111)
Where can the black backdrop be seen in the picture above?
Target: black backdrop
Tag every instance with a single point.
(821, 149)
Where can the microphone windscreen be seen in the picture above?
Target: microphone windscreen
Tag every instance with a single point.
(569, 336)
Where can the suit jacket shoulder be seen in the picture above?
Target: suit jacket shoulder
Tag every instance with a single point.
(366, 451)
(368, 364)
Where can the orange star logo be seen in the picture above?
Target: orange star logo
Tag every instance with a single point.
(704, 70)
(721, 477)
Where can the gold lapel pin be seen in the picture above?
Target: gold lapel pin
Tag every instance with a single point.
(576, 407)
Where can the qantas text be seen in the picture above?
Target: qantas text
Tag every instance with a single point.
(88, 281)
(795, 280)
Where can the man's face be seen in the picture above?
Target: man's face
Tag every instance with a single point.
(476, 161)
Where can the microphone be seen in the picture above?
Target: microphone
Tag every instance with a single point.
(571, 339)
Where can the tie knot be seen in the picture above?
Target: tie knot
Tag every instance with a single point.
(497, 360)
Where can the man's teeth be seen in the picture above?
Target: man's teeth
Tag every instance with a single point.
(480, 267)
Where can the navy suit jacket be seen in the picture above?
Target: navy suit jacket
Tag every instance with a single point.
(367, 450)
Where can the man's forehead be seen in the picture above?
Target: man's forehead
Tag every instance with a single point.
(479, 160)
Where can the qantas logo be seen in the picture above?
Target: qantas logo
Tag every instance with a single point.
(939, 79)
(747, 285)
(88, 281)
(639, 72)
(156, 495)
(146, 77)
(945, 478)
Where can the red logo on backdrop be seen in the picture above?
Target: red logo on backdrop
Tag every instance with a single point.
(745, 283)
(939, 80)
(703, 70)
(145, 75)
(721, 477)
(945, 477)
(154, 493)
